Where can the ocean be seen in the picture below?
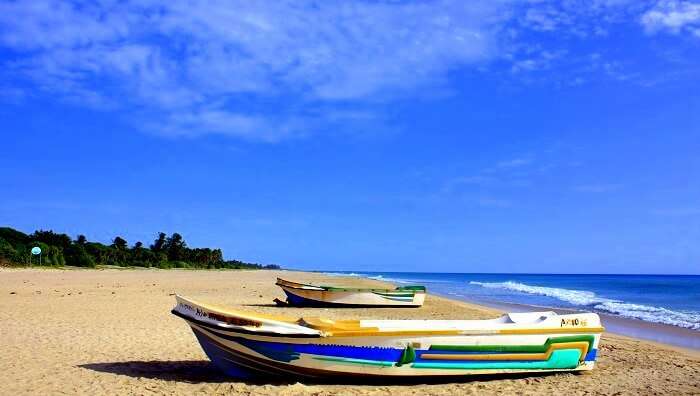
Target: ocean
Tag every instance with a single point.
(670, 300)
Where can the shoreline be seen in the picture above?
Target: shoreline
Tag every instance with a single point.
(111, 331)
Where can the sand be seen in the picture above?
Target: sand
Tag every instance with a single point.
(111, 331)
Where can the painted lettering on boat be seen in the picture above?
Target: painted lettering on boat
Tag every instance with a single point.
(574, 322)
(195, 310)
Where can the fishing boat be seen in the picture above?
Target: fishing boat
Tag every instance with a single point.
(304, 295)
(246, 344)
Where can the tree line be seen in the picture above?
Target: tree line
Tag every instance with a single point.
(59, 250)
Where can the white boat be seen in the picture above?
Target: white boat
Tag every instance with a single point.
(305, 295)
(246, 344)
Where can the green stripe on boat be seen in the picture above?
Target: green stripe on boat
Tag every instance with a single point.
(415, 288)
(515, 348)
(351, 289)
(390, 294)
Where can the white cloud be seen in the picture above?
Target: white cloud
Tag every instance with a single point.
(493, 202)
(210, 61)
(215, 66)
(514, 163)
(503, 175)
(221, 122)
(546, 18)
(674, 16)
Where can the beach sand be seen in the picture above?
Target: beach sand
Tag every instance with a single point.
(111, 331)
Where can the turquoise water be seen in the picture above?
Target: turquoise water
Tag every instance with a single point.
(665, 299)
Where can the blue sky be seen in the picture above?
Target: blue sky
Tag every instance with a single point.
(483, 136)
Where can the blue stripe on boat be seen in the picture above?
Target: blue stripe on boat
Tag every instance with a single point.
(288, 352)
(590, 356)
(299, 301)
(293, 299)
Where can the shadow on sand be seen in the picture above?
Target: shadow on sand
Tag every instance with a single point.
(185, 370)
(197, 371)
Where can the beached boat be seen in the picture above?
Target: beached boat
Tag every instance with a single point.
(245, 344)
(303, 295)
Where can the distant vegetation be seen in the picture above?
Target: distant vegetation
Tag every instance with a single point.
(59, 250)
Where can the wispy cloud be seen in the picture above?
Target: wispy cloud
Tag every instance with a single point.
(493, 202)
(213, 67)
(674, 16)
(464, 181)
(511, 172)
(514, 163)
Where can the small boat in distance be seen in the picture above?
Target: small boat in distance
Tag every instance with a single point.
(303, 295)
(246, 344)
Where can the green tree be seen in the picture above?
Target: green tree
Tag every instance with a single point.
(8, 254)
(78, 256)
(51, 238)
(13, 237)
(120, 243)
(176, 247)
(58, 249)
(159, 243)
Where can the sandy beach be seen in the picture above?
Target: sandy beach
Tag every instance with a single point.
(111, 331)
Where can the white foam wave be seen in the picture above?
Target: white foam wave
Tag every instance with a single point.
(576, 297)
(690, 320)
(375, 277)
(652, 314)
(341, 274)
(383, 279)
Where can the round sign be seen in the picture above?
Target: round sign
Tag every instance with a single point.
(36, 250)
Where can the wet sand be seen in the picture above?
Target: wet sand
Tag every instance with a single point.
(111, 331)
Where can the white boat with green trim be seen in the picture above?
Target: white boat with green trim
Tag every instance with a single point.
(246, 344)
(305, 295)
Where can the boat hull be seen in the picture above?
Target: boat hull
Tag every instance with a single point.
(255, 351)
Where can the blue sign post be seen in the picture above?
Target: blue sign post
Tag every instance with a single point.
(36, 251)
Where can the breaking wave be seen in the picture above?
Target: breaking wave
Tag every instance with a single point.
(342, 274)
(689, 320)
